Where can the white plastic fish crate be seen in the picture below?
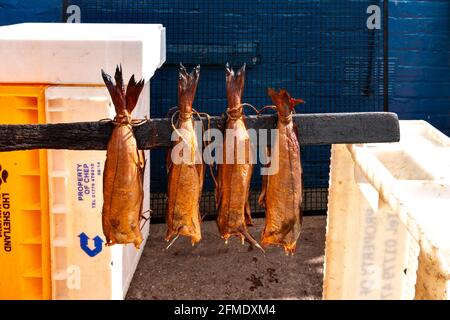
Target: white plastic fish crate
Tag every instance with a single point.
(388, 218)
(82, 266)
(66, 60)
(74, 53)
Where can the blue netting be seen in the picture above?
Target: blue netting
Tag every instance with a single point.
(320, 51)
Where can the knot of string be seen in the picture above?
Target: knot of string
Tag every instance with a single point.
(123, 120)
(236, 112)
(185, 115)
(285, 119)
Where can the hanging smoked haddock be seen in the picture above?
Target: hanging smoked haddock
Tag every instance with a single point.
(185, 171)
(233, 179)
(281, 194)
(123, 192)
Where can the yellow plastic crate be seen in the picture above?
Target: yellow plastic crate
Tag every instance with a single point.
(24, 220)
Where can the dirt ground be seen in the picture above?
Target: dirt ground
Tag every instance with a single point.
(213, 270)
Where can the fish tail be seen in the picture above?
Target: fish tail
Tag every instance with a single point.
(116, 90)
(187, 87)
(134, 89)
(234, 84)
(123, 101)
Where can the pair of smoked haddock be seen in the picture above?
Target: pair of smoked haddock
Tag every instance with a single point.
(124, 167)
(281, 194)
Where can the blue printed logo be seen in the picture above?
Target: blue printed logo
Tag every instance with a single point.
(98, 243)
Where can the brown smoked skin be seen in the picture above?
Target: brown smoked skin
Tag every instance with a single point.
(233, 179)
(185, 177)
(123, 192)
(282, 192)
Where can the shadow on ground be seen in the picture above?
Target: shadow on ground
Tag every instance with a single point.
(213, 270)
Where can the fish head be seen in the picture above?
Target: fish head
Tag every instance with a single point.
(283, 101)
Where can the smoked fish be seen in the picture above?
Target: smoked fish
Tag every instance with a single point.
(185, 171)
(281, 194)
(123, 175)
(235, 171)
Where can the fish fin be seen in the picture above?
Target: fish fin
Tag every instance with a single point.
(301, 201)
(142, 164)
(142, 160)
(118, 76)
(235, 85)
(295, 130)
(294, 102)
(141, 168)
(289, 249)
(243, 230)
(201, 177)
(168, 160)
(217, 191)
(262, 195)
(248, 213)
(240, 78)
(283, 98)
(216, 197)
(115, 89)
(134, 89)
(228, 70)
(265, 181)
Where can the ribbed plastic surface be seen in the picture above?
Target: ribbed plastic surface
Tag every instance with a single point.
(388, 216)
(82, 267)
(24, 227)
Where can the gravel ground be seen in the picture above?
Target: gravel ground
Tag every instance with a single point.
(213, 270)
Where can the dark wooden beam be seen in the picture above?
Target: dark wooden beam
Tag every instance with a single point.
(314, 129)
